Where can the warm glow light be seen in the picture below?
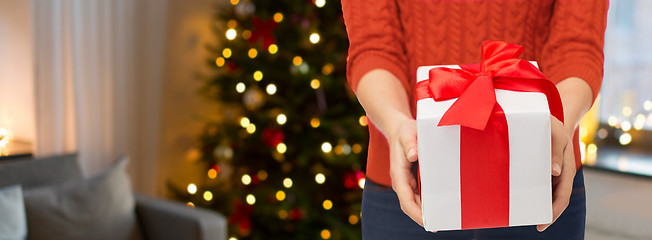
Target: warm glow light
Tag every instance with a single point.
(327, 204)
(361, 183)
(278, 17)
(251, 199)
(235, 2)
(320, 3)
(346, 149)
(314, 38)
(625, 139)
(272, 48)
(220, 61)
(226, 53)
(232, 23)
(314, 122)
(326, 147)
(262, 175)
(602, 133)
(612, 121)
(297, 61)
(647, 105)
(626, 126)
(208, 195)
(240, 87)
(627, 111)
(212, 173)
(353, 219)
(287, 183)
(244, 122)
(246, 34)
(190, 204)
(271, 89)
(251, 128)
(282, 214)
(258, 75)
(252, 53)
(192, 188)
(338, 149)
(357, 148)
(320, 178)
(639, 123)
(363, 121)
(231, 34)
(281, 119)
(280, 195)
(325, 234)
(592, 149)
(327, 69)
(314, 84)
(281, 148)
(246, 179)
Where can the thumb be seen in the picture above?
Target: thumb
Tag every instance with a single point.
(409, 144)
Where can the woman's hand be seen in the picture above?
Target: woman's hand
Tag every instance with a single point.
(403, 153)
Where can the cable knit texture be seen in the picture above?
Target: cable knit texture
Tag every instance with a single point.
(566, 37)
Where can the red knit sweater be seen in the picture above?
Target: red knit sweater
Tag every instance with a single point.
(565, 36)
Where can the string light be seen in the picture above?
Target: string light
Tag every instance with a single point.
(231, 34)
(327, 69)
(271, 89)
(612, 121)
(602, 133)
(627, 111)
(208, 195)
(327, 204)
(246, 179)
(357, 148)
(240, 87)
(220, 61)
(190, 204)
(232, 23)
(346, 149)
(592, 148)
(626, 126)
(281, 119)
(353, 219)
(314, 122)
(234, 2)
(280, 195)
(244, 122)
(325, 234)
(320, 178)
(297, 60)
(246, 34)
(647, 105)
(252, 53)
(361, 182)
(314, 38)
(287, 183)
(251, 199)
(625, 139)
(282, 214)
(278, 17)
(251, 128)
(212, 173)
(320, 3)
(281, 148)
(192, 188)
(258, 75)
(226, 53)
(363, 121)
(326, 147)
(314, 84)
(639, 122)
(273, 48)
(338, 150)
(262, 175)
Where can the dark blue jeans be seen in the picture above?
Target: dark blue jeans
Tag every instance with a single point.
(382, 219)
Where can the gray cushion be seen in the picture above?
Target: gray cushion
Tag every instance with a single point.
(40, 172)
(101, 207)
(12, 214)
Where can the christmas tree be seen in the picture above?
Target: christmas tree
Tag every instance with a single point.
(284, 160)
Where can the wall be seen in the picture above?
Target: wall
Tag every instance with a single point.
(16, 70)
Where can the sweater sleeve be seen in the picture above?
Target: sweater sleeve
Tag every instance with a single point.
(575, 43)
(376, 39)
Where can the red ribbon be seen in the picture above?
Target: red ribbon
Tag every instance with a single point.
(484, 146)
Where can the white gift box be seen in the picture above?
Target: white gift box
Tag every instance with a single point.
(530, 190)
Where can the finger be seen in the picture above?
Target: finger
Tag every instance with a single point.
(408, 140)
(563, 189)
(559, 142)
(409, 201)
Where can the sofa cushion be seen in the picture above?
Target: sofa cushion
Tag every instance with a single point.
(101, 207)
(38, 172)
(12, 213)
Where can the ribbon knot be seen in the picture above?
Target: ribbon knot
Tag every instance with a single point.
(473, 85)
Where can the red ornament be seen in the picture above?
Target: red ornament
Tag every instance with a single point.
(350, 180)
(241, 216)
(273, 137)
(296, 214)
(263, 31)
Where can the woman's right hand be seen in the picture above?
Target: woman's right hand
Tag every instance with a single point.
(402, 140)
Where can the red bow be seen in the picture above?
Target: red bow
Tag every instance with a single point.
(474, 85)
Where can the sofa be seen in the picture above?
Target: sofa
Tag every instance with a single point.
(154, 218)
